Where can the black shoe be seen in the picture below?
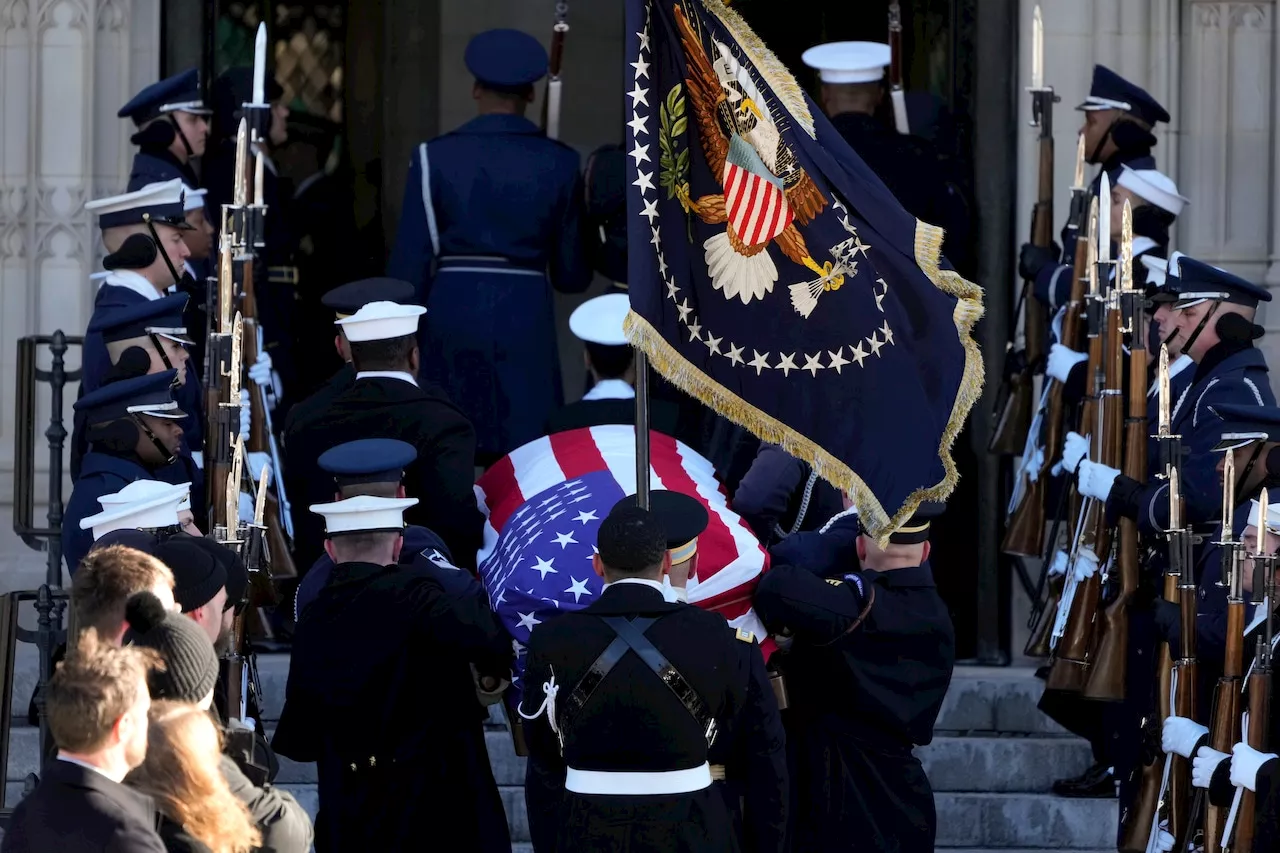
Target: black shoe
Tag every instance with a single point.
(1042, 672)
(1095, 783)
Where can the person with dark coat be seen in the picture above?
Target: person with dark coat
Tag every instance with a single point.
(387, 401)
(97, 705)
(624, 701)
(611, 367)
(133, 432)
(375, 466)
(870, 658)
(344, 301)
(491, 223)
(852, 75)
(1118, 119)
(388, 649)
(190, 674)
(781, 495)
(173, 130)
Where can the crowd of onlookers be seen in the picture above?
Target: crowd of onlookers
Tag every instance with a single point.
(145, 760)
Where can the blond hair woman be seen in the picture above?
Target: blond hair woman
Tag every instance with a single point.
(199, 814)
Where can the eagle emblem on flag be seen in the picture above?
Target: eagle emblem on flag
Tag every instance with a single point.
(766, 191)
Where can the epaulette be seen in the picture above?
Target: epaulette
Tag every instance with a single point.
(746, 636)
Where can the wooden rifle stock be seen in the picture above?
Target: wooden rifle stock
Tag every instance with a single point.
(1256, 737)
(1107, 679)
(1071, 669)
(235, 666)
(1224, 730)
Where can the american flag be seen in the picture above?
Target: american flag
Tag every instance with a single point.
(544, 503)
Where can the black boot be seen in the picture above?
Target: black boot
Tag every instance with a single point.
(1095, 783)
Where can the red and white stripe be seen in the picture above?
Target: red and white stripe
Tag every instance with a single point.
(730, 558)
(757, 208)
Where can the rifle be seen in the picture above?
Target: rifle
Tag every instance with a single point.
(1170, 801)
(896, 94)
(1107, 679)
(1259, 678)
(1014, 402)
(1224, 724)
(1093, 535)
(551, 106)
(1025, 536)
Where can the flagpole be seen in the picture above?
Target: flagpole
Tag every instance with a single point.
(642, 429)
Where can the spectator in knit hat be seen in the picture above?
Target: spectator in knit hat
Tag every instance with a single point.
(191, 669)
(190, 663)
(199, 585)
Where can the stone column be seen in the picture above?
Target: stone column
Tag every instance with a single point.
(65, 68)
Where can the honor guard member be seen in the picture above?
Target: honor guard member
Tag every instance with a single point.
(753, 782)
(1118, 119)
(344, 301)
(852, 77)
(781, 495)
(195, 272)
(149, 337)
(871, 654)
(133, 431)
(1212, 312)
(147, 505)
(490, 223)
(626, 700)
(605, 186)
(610, 363)
(379, 645)
(173, 129)
(387, 401)
(374, 466)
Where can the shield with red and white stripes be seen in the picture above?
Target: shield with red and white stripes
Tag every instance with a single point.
(753, 196)
(544, 503)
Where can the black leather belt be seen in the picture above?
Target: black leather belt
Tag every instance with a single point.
(631, 636)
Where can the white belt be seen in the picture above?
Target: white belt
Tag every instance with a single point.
(661, 782)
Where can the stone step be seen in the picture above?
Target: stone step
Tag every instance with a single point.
(1002, 764)
(1032, 821)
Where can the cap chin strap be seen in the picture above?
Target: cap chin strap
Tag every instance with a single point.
(164, 357)
(169, 458)
(1094, 157)
(177, 128)
(1243, 478)
(173, 271)
(1217, 303)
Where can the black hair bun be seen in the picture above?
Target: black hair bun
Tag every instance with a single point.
(143, 612)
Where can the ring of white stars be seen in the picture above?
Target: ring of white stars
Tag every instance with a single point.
(855, 353)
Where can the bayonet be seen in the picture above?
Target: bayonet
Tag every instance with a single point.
(896, 94)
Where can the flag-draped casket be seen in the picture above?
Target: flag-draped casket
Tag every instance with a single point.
(544, 502)
(774, 277)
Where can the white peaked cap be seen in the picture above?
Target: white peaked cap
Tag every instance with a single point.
(364, 513)
(159, 193)
(849, 61)
(143, 504)
(1273, 515)
(1157, 269)
(380, 321)
(599, 320)
(1154, 186)
(194, 199)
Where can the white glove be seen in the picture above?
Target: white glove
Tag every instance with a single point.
(240, 725)
(260, 370)
(1094, 480)
(1059, 564)
(1164, 841)
(1245, 764)
(1035, 465)
(256, 462)
(1203, 765)
(244, 413)
(1061, 360)
(1086, 565)
(197, 456)
(1180, 735)
(246, 508)
(1074, 448)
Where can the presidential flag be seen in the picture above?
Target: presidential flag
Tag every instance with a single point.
(775, 278)
(544, 502)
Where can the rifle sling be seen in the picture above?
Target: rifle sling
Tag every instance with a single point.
(631, 637)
